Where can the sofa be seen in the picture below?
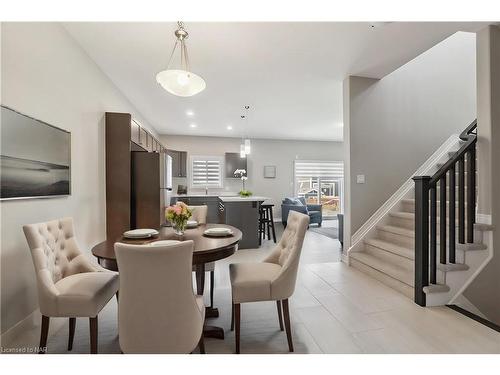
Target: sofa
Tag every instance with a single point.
(300, 205)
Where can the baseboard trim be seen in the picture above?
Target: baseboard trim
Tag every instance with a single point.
(475, 317)
(31, 322)
(9, 336)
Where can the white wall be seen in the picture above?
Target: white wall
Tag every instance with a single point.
(280, 153)
(397, 122)
(483, 292)
(46, 75)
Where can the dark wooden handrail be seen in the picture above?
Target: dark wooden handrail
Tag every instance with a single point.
(469, 137)
(426, 212)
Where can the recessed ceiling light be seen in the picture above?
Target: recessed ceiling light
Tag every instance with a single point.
(193, 125)
(189, 113)
(229, 127)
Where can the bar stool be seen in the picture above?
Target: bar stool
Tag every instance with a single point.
(266, 222)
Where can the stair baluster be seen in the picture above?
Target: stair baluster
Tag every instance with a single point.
(425, 188)
(471, 193)
(461, 200)
(451, 217)
(433, 235)
(442, 219)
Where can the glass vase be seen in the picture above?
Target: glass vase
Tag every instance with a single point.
(179, 227)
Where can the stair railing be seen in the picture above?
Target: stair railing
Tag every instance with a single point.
(426, 212)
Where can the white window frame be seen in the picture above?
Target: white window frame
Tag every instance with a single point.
(341, 179)
(220, 159)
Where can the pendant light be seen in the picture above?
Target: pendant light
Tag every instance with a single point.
(246, 145)
(180, 82)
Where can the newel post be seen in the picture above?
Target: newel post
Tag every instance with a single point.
(421, 237)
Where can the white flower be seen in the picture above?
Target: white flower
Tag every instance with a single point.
(240, 171)
(244, 178)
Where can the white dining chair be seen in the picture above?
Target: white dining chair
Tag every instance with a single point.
(158, 311)
(69, 285)
(273, 279)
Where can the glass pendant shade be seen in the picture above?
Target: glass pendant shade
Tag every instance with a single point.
(181, 82)
(247, 146)
(242, 151)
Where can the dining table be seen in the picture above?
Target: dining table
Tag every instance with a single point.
(206, 249)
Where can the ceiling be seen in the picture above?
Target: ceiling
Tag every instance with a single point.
(289, 73)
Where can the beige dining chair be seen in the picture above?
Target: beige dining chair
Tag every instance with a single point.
(200, 215)
(158, 311)
(273, 279)
(69, 285)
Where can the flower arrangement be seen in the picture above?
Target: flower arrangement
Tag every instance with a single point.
(241, 173)
(178, 215)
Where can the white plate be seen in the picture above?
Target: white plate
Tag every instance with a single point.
(191, 224)
(218, 232)
(140, 233)
(164, 243)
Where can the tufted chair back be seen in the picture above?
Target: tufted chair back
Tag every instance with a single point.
(55, 256)
(199, 213)
(287, 255)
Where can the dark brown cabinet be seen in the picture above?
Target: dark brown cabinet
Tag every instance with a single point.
(130, 175)
(179, 163)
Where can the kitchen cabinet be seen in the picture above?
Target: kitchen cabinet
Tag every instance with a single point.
(233, 161)
(212, 203)
(134, 132)
(126, 143)
(143, 136)
(179, 163)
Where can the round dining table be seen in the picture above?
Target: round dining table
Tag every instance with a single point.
(206, 249)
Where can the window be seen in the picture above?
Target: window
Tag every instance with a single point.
(206, 172)
(320, 182)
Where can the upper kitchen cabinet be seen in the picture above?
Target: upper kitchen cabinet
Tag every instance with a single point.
(135, 130)
(179, 163)
(233, 162)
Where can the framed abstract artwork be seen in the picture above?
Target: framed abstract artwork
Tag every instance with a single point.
(270, 171)
(35, 158)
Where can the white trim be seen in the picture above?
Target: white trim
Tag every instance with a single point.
(483, 219)
(488, 241)
(425, 168)
(27, 331)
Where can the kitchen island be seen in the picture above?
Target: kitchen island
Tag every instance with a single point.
(240, 212)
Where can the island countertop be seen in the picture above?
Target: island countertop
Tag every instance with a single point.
(242, 199)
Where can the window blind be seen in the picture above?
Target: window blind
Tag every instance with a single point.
(206, 172)
(325, 169)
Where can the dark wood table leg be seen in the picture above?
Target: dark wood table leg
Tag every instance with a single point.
(208, 331)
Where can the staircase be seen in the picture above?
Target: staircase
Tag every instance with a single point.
(415, 243)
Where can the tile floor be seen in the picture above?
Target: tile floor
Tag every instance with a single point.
(335, 309)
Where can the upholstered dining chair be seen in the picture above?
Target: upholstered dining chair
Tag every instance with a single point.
(200, 215)
(158, 311)
(69, 285)
(273, 279)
